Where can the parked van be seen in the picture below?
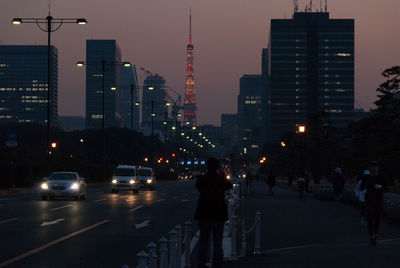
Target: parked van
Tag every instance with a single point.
(125, 178)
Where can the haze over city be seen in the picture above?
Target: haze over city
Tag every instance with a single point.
(228, 36)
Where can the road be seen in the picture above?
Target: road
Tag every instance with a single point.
(106, 230)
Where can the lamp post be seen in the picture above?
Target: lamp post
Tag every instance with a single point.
(49, 21)
(103, 63)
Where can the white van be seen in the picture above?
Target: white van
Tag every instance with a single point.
(147, 178)
(125, 178)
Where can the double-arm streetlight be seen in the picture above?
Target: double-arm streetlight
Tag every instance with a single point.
(49, 21)
(103, 63)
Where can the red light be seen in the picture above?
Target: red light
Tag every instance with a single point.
(161, 158)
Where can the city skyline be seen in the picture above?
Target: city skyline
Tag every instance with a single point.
(229, 44)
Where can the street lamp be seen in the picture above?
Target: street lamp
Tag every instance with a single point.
(49, 21)
(301, 129)
(103, 64)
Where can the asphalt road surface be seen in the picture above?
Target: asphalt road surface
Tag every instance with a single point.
(105, 230)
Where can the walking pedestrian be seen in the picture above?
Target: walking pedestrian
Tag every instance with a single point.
(301, 183)
(375, 185)
(338, 182)
(211, 212)
(271, 182)
(360, 195)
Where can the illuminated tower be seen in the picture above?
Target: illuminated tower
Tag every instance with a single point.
(189, 107)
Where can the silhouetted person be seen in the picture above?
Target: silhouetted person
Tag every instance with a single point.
(338, 182)
(271, 182)
(375, 186)
(211, 211)
(290, 179)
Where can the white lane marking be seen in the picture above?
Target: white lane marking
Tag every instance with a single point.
(99, 192)
(66, 206)
(184, 200)
(143, 224)
(99, 200)
(8, 220)
(51, 222)
(382, 241)
(160, 200)
(50, 244)
(288, 248)
(136, 208)
(192, 245)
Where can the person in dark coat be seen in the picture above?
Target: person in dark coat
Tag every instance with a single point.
(375, 185)
(271, 182)
(338, 182)
(211, 211)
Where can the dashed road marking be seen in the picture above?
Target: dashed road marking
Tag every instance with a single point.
(46, 223)
(66, 206)
(136, 208)
(160, 200)
(143, 224)
(185, 200)
(50, 244)
(99, 192)
(8, 220)
(99, 200)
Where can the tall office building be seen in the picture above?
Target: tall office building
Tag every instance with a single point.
(154, 101)
(311, 70)
(230, 133)
(23, 84)
(96, 52)
(129, 93)
(250, 113)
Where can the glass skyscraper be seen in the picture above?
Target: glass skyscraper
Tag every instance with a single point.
(96, 52)
(310, 70)
(23, 84)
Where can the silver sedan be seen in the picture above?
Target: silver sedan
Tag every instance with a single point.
(63, 184)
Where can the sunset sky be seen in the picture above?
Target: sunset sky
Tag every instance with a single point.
(228, 37)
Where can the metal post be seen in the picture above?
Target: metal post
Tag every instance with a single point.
(243, 244)
(103, 68)
(152, 252)
(152, 132)
(188, 239)
(233, 237)
(178, 229)
(142, 259)
(172, 248)
(49, 18)
(257, 238)
(163, 252)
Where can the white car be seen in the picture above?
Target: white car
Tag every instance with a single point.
(125, 178)
(63, 184)
(147, 178)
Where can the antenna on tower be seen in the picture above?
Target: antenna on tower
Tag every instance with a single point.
(190, 25)
(49, 7)
(296, 6)
(326, 5)
(310, 9)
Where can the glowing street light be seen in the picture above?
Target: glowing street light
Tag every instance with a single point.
(301, 128)
(283, 144)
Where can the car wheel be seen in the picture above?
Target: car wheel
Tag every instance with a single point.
(43, 197)
(152, 188)
(114, 191)
(76, 197)
(51, 197)
(83, 197)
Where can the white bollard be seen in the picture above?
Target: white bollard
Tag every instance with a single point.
(178, 230)
(163, 252)
(188, 240)
(172, 248)
(233, 238)
(142, 259)
(152, 252)
(257, 234)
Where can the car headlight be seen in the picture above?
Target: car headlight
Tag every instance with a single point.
(132, 181)
(228, 177)
(44, 186)
(114, 181)
(149, 181)
(244, 175)
(74, 186)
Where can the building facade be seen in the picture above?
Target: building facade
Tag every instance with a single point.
(250, 113)
(97, 52)
(311, 70)
(230, 133)
(154, 99)
(23, 84)
(129, 93)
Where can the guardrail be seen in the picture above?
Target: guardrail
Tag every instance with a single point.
(175, 252)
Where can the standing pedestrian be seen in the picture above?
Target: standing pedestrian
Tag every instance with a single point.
(301, 183)
(338, 182)
(271, 182)
(375, 185)
(290, 178)
(360, 195)
(211, 212)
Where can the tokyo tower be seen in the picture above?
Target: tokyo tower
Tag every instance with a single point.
(189, 107)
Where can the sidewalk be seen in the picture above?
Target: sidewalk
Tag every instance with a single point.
(313, 233)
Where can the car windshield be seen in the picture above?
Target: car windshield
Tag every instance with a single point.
(144, 172)
(124, 172)
(62, 177)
